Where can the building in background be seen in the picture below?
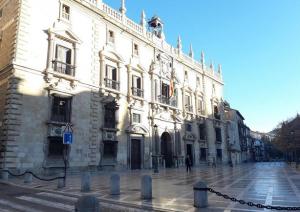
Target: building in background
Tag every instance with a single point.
(130, 97)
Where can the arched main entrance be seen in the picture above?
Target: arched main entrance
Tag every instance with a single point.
(166, 149)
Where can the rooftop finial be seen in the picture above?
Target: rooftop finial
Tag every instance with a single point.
(191, 54)
(143, 19)
(220, 69)
(179, 45)
(211, 66)
(202, 58)
(123, 8)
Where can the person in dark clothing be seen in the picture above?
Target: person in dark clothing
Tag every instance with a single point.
(188, 164)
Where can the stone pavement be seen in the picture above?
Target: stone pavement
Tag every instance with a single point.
(265, 183)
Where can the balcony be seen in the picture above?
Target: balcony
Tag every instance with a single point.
(189, 108)
(167, 101)
(109, 83)
(217, 116)
(137, 92)
(63, 68)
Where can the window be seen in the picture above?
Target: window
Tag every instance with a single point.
(188, 127)
(63, 61)
(216, 113)
(218, 135)
(55, 146)
(137, 86)
(136, 118)
(165, 89)
(61, 109)
(202, 132)
(109, 149)
(111, 78)
(188, 103)
(202, 154)
(1, 13)
(219, 154)
(111, 36)
(66, 12)
(200, 105)
(135, 49)
(110, 115)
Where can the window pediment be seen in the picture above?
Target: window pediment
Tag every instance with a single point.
(112, 55)
(137, 129)
(64, 34)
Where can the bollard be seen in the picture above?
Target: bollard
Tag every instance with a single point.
(115, 184)
(146, 187)
(200, 196)
(61, 182)
(4, 175)
(87, 203)
(86, 182)
(28, 178)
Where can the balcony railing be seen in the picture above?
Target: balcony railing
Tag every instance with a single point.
(189, 108)
(168, 101)
(137, 92)
(217, 116)
(63, 68)
(109, 83)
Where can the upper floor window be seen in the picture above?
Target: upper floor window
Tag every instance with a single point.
(188, 103)
(111, 36)
(61, 109)
(216, 112)
(188, 127)
(218, 135)
(200, 105)
(165, 93)
(65, 12)
(135, 49)
(137, 86)
(110, 114)
(111, 80)
(1, 12)
(136, 118)
(202, 132)
(63, 60)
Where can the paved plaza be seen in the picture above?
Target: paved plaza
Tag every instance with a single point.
(264, 183)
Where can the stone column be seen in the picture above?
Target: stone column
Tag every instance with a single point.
(129, 81)
(102, 70)
(51, 50)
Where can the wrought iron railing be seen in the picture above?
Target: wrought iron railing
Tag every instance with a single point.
(137, 92)
(109, 83)
(63, 68)
(167, 100)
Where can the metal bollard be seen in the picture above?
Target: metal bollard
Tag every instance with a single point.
(115, 184)
(61, 182)
(200, 196)
(4, 175)
(28, 178)
(86, 182)
(146, 187)
(87, 203)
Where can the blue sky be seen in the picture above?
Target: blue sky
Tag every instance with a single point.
(256, 41)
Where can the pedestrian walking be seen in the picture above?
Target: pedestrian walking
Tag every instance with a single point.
(188, 164)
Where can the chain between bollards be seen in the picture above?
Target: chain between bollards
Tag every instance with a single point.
(251, 204)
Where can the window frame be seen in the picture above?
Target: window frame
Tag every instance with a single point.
(65, 15)
(56, 110)
(138, 116)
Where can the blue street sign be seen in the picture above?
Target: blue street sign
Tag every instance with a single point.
(67, 138)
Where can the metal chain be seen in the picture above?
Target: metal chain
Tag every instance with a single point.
(251, 204)
(29, 172)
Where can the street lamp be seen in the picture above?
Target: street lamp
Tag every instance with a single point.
(156, 150)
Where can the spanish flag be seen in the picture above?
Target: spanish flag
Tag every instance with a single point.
(171, 87)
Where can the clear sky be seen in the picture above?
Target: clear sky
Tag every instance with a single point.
(256, 41)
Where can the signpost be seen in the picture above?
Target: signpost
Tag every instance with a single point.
(67, 140)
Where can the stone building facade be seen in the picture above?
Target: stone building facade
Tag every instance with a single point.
(129, 96)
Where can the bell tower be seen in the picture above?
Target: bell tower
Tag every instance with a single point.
(156, 27)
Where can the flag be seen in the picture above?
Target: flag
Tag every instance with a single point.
(171, 87)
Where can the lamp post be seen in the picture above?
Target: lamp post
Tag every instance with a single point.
(156, 150)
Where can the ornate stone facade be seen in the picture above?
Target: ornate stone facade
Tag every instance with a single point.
(128, 95)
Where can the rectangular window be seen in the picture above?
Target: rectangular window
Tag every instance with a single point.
(66, 12)
(216, 113)
(111, 36)
(136, 118)
(111, 77)
(188, 127)
(218, 135)
(61, 109)
(203, 154)
(1, 12)
(219, 154)
(137, 86)
(202, 132)
(200, 106)
(110, 115)
(63, 60)
(165, 90)
(188, 103)
(55, 146)
(135, 49)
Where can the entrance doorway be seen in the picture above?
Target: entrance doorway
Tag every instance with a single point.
(166, 149)
(135, 154)
(189, 152)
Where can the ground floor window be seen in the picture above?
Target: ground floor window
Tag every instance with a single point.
(219, 154)
(109, 149)
(55, 146)
(203, 154)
